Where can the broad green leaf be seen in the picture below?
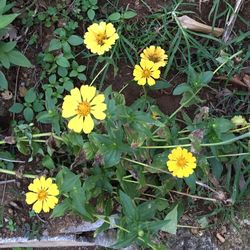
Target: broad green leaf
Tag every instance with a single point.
(47, 162)
(2, 6)
(3, 81)
(7, 46)
(129, 14)
(128, 206)
(206, 77)
(75, 40)
(6, 19)
(16, 108)
(171, 226)
(30, 95)
(181, 88)
(91, 14)
(62, 61)
(17, 58)
(55, 44)
(28, 114)
(161, 85)
(61, 208)
(114, 16)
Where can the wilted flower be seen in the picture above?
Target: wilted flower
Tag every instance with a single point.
(239, 120)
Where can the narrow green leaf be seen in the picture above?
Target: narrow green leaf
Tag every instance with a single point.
(114, 16)
(17, 58)
(3, 81)
(129, 14)
(6, 19)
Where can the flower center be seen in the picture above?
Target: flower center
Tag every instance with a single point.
(100, 38)
(146, 73)
(181, 162)
(154, 58)
(83, 109)
(42, 195)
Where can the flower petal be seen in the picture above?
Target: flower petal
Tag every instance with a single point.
(98, 114)
(37, 207)
(45, 207)
(31, 197)
(53, 190)
(87, 92)
(75, 93)
(52, 201)
(97, 99)
(88, 124)
(76, 124)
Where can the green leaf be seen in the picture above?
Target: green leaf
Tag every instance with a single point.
(61, 208)
(7, 46)
(47, 162)
(28, 114)
(91, 14)
(180, 89)
(161, 85)
(206, 77)
(17, 58)
(128, 206)
(75, 40)
(114, 16)
(55, 44)
(3, 81)
(190, 180)
(62, 61)
(122, 243)
(30, 95)
(129, 14)
(16, 108)
(7, 19)
(2, 6)
(171, 226)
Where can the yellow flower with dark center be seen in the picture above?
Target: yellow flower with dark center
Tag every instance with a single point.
(146, 72)
(181, 162)
(239, 120)
(43, 194)
(80, 105)
(100, 37)
(156, 55)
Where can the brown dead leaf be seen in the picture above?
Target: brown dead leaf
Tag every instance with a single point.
(22, 90)
(220, 238)
(246, 80)
(6, 95)
(190, 24)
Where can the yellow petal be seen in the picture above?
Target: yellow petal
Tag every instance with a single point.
(88, 124)
(99, 107)
(45, 207)
(98, 114)
(31, 197)
(75, 93)
(151, 81)
(37, 207)
(88, 92)
(76, 124)
(142, 81)
(35, 186)
(69, 106)
(98, 99)
(52, 201)
(53, 190)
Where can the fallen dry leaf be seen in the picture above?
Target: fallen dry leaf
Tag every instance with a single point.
(22, 90)
(220, 238)
(190, 24)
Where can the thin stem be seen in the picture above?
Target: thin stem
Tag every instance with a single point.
(237, 138)
(146, 165)
(103, 68)
(9, 160)
(124, 87)
(194, 196)
(10, 172)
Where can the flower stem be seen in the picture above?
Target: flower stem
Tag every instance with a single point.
(10, 172)
(103, 68)
(237, 138)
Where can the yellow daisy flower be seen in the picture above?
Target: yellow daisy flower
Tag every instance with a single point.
(181, 162)
(100, 37)
(43, 194)
(156, 55)
(80, 105)
(239, 120)
(146, 72)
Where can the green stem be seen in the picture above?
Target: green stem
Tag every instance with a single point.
(10, 172)
(237, 138)
(146, 165)
(103, 68)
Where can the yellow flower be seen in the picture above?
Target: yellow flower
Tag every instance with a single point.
(156, 55)
(181, 162)
(146, 72)
(80, 105)
(239, 120)
(43, 194)
(100, 37)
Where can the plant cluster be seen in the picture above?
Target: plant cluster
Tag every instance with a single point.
(119, 163)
